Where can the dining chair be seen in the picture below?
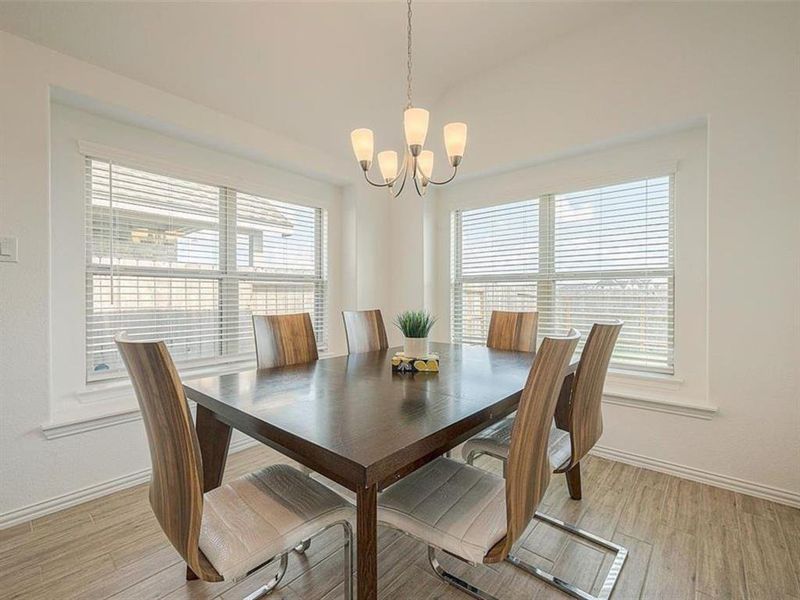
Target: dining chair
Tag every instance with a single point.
(478, 516)
(579, 421)
(228, 532)
(513, 331)
(283, 340)
(365, 331)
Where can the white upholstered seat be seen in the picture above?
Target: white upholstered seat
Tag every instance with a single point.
(496, 440)
(256, 517)
(450, 505)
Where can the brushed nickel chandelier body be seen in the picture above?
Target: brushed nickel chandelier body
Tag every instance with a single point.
(417, 162)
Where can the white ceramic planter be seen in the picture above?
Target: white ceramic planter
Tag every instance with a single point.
(415, 347)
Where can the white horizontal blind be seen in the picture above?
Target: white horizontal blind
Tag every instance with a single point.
(495, 263)
(281, 265)
(602, 253)
(189, 263)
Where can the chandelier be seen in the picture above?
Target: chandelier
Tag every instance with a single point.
(417, 162)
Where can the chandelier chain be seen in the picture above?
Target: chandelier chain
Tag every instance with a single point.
(408, 76)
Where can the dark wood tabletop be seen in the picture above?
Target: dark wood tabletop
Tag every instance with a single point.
(353, 420)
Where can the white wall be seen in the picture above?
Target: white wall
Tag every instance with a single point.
(42, 470)
(736, 66)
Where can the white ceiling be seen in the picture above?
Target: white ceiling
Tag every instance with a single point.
(311, 71)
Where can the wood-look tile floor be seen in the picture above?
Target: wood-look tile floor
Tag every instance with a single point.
(686, 541)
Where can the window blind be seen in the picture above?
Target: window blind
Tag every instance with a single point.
(496, 259)
(576, 258)
(190, 263)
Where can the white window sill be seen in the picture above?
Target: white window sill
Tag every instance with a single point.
(121, 389)
(654, 392)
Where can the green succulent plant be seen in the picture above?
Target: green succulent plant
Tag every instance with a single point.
(415, 323)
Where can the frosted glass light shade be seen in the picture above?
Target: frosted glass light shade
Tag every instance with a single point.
(387, 161)
(363, 145)
(415, 121)
(455, 140)
(425, 163)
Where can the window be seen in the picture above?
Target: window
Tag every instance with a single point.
(190, 263)
(576, 258)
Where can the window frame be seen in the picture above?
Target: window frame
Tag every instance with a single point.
(226, 274)
(546, 277)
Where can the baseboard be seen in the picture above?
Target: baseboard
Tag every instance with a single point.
(750, 488)
(46, 507)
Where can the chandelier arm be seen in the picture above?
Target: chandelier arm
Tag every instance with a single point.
(377, 185)
(453, 176)
(404, 174)
(402, 185)
(404, 168)
(416, 186)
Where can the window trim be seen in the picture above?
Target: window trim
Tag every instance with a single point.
(546, 273)
(224, 275)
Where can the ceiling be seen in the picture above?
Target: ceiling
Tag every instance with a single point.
(311, 71)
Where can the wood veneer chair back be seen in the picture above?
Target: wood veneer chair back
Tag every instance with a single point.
(585, 412)
(365, 330)
(528, 469)
(283, 340)
(176, 484)
(513, 331)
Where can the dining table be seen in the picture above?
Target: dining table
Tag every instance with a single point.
(355, 421)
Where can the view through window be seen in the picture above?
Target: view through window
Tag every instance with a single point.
(189, 263)
(576, 258)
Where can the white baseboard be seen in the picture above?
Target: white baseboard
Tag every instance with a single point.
(750, 488)
(46, 507)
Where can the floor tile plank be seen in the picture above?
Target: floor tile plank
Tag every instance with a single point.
(720, 563)
(673, 565)
(768, 567)
(685, 540)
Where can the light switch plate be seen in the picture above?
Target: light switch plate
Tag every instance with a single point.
(8, 249)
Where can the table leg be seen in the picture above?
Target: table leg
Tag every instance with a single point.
(214, 438)
(564, 402)
(367, 542)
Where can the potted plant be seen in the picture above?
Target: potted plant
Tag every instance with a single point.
(415, 325)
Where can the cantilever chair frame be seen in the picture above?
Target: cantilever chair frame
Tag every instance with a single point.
(273, 583)
(621, 555)
(610, 582)
(185, 476)
(457, 582)
(607, 339)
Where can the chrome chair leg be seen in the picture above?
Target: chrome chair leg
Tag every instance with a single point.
(470, 459)
(284, 561)
(302, 547)
(455, 581)
(610, 582)
(272, 583)
(564, 586)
